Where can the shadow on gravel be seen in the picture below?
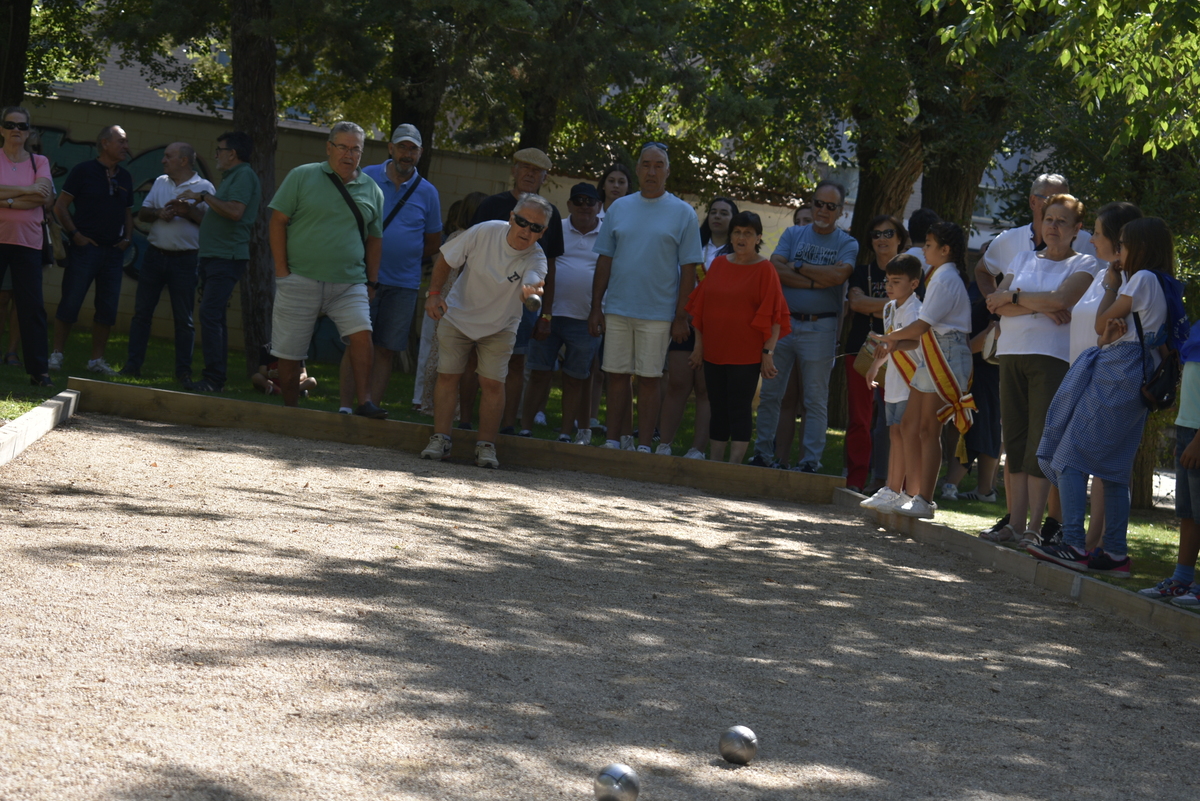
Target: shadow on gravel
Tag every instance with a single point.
(181, 783)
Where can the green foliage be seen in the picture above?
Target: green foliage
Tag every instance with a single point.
(62, 48)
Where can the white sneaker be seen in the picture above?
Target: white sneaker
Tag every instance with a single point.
(583, 436)
(918, 507)
(485, 455)
(949, 492)
(628, 443)
(663, 449)
(644, 449)
(438, 447)
(539, 419)
(693, 453)
(100, 366)
(884, 498)
(612, 444)
(56, 360)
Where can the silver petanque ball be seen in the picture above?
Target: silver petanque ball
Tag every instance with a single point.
(617, 782)
(533, 302)
(738, 745)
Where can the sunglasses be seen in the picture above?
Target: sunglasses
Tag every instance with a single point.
(584, 200)
(825, 204)
(524, 223)
(659, 145)
(9, 125)
(885, 234)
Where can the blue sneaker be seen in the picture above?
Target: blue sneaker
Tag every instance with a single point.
(1166, 589)
(1100, 562)
(1189, 600)
(1063, 555)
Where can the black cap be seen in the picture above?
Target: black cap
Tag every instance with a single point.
(587, 190)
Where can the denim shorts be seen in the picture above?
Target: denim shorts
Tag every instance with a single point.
(1187, 482)
(88, 264)
(957, 351)
(893, 413)
(581, 348)
(299, 301)
(391, 316)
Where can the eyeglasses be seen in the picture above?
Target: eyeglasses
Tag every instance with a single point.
(1040, 196)
(659, 145)
(825, 204)
(524, 223)
(9, 125)
(885, 234)
(225, 149)
(584, 200)
(344, 149)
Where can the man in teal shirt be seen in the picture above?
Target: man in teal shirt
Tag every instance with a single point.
(326, 240)
(224, 248)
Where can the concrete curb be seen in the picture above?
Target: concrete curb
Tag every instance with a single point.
(1157, 616)
(29, 427)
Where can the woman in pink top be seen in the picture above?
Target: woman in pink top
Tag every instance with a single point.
(25, 190)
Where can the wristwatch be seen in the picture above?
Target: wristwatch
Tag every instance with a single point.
(767, 352)
(1016, 297)
(373, 284)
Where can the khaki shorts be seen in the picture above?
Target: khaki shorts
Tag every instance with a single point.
(493, 352)
(1027, 385)
(635, 347)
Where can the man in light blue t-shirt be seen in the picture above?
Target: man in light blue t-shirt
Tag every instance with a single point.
(649, 246)
(814, 262)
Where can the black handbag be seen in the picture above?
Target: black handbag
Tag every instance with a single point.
(1160, 388)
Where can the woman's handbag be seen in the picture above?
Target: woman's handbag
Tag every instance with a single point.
(864, 359)
(1160, 389)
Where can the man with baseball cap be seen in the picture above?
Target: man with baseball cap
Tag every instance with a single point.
(568, 326)
(412, 231)
(530, 168)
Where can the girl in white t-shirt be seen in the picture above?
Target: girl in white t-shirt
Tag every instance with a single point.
(1095, 422)
(947, 312)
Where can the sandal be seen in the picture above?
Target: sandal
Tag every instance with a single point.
(1000, 536)
(11, 359)
(1031, 537)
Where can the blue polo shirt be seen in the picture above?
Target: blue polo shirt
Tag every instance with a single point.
(404, 238)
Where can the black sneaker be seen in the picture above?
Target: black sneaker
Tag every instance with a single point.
(1063, 555)
(508, 430)
(203, 385)
(757, 461)
(1051, 531)
(130, 372)
(1001, 523)
(465, 427)
(369, 409)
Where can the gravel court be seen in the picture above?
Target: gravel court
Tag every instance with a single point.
(192, 613)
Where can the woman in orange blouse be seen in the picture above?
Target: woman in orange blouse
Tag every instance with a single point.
(739, 313)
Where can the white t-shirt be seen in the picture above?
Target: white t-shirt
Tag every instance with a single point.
(486, 298)
(895, 388)
(710, 252)
(574, 271)
(1150, 304)
(1015, 241)
(1083, 316)
(947, 307)
(179, 233)
(1036, 333)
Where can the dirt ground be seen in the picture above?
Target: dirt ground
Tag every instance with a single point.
(192, 613)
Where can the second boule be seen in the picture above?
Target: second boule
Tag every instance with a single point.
(617, 782)
(738, 745)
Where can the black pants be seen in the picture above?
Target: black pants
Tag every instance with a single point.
(730, 394)
(25, 266)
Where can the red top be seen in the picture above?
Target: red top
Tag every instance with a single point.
(734, 308)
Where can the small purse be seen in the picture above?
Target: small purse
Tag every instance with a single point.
(1160, 388)
(864, 359)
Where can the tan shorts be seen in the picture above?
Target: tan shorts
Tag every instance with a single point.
(635, 347)
(493, 352)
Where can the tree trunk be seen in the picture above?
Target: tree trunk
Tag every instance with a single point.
(885, 183)
(956, 158)
(540, 114)
(417, 98)
(252, 48)
(15, 18)
(1141, 485)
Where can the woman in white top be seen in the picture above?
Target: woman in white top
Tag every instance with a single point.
(1094, 425)
(1034, 302)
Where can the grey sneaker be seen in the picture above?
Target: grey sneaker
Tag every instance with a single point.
(56, 360)
(485, 454)
(583, 436)
(97, 366)
(663, 449)
(694, 453)
(628, 443)
(438, 447)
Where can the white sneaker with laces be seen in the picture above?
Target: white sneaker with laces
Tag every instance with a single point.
(949, 492)
(612, 444)
(56, 360)
(628, 443)
(644, 449)
(919, 508)
(663, 449)
(539, 419)
(583, 436)
(100, 366)
(884, 498)
(693, 453)
(485, 454)
(438, 447)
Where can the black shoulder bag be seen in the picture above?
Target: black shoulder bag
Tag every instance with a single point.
(1159, 390)
(391, 216)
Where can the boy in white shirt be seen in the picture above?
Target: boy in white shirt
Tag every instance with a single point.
(903, 278)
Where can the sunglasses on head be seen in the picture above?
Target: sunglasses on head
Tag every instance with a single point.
(537, 228)
(825, 204)
(885, 234)
(659, 145)
(9, 125)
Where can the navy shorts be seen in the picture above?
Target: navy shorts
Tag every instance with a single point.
(580, 348)
(392, 311)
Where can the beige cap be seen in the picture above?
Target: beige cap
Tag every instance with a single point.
(531, 155)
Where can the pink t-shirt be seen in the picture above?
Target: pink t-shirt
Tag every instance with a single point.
(22, 226)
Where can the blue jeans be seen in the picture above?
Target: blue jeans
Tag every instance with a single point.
(101, 264)
(810, 348)
(1072, 488)
(217, 279)
(177, 272)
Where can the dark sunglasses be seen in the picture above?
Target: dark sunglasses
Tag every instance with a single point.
(885, 234)
(524, 223)
(825, 204)
(584, 200)
(659, 145)
(9, 125)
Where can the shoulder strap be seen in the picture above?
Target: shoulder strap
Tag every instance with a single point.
(362, 226)
(1137, 322)
(392, 215)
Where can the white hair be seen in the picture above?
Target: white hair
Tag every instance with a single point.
(528, 199)
(1047, 179)
(666, 155)
(345, 126)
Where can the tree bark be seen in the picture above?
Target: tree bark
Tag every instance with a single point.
(885, 183)
(956, 158)
(252, 49)
(417, 98)
(538, 118)
(1141, 485)
(15, 18)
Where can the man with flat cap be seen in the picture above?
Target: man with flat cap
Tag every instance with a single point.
(530, 169)
(412, 231)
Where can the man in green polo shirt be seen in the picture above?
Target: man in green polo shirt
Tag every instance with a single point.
(224, 248)
(326, 239)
